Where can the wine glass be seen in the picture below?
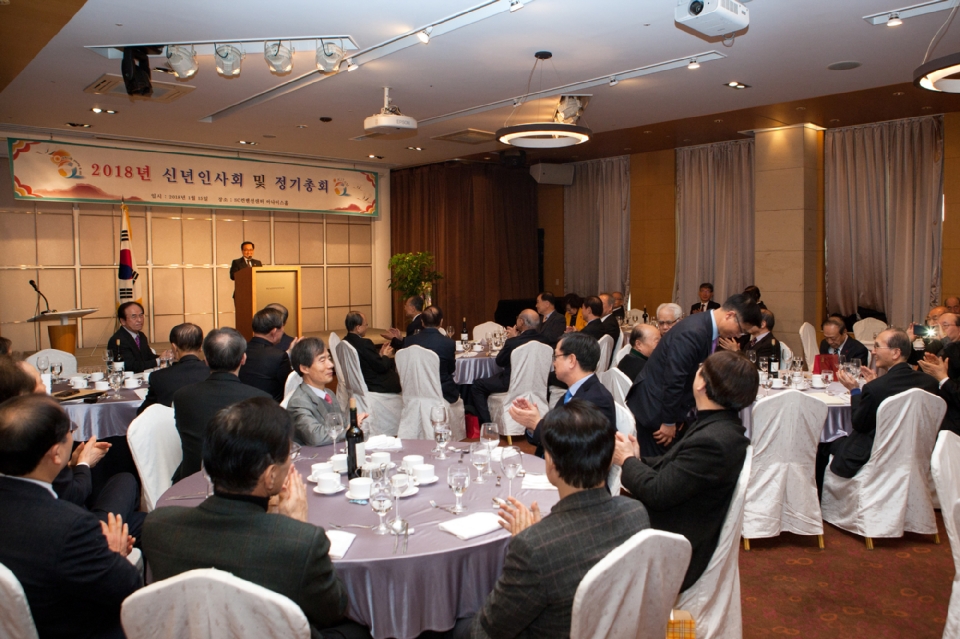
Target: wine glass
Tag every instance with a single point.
(381, 503)
(480, 458)
(116, 383)
(43, 363)
(752, 356)
(334, 423)
(511, 461)
(490, 436)
(450, 333)
(294, 451)
(458, 478)
(56, 368)
(438, 419)
(764, 364)
(398, 485)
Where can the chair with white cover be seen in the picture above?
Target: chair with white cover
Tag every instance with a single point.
(156, 450)
(480, 330)
(630, 592)
(782, 493)
(16, 620)
(714, 600)
(620, 354)
(786, 356)
(384, 408)
(617, 382)
(212, 604)
(808, 338)
(342, 394)
(864, 330)
(53, 355)
(618, 345)
(945, 466)
(634, 315)
(419, 371)
(890, 494)
(443, 331)
(293, 383)
(606, 347)
(626, 422)
(529, 368)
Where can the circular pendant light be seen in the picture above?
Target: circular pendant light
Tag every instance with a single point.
(936, 74)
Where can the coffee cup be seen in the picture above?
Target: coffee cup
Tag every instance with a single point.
(127, 374)
(132, 382)
(380, 458)
(412, 460)
(101, 385)
(319, 469)
(117, 366)
(478, 348)
(459, 347)
(424, 472)
(78, 382)
(339, 462)
(360, 487)
(777, 383)
(817, 381)
(96, 377)
(329, 482)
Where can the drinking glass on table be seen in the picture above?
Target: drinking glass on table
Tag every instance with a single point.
(752, 356)
(56, 368)
(827, 377)
(334, 423)
(43, 363)
(399, 484)
(294, 451)
(381, 502)
(764, 364)
(511, 461)
(480, 458)
(490, 437)
(458, 478)
(450, 332)
(438, 419)
(116, 383)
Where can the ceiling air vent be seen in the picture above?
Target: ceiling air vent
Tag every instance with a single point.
(112, 84)
(468, 136)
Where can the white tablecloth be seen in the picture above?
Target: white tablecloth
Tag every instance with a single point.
(838, 422)
(474, 366)
(107, 418)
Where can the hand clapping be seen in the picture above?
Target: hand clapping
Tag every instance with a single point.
(517, 517)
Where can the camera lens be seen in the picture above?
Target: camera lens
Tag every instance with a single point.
(696, 7)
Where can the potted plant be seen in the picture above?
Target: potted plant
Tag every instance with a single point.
(413, 274)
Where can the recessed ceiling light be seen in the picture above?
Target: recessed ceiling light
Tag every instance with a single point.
(898, 93)
(248, 143)
(648, 131)
(111, 112)
(97, 110)
(375, 157)
(627, 148)
(718, 120)
(328, 119)
(78, 125)
(268, 136)
(486, 157)
(801, 108)
(414, 148)
(301, 126)
(894, 20)
(845, 65)
(835, 121)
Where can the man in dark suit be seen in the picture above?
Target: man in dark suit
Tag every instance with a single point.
(706, 302)
(186, 341)
(246, 453)
(267, 367)
(575, 360)
(688, 490)
(549, 556)
(195, 405)
(618, 311)
(430, 338)
(836, 341)
(661, 398)
(759, 340)
(945, 368)
(667, 315)
(591, 311)
(73, 569)
(135, 351)
(246, 261)
(608, 321)
(643, 339)
(552, 323)
(526, 330)
(412, 308)
(891, 352)
(286, 341)
(379, 370)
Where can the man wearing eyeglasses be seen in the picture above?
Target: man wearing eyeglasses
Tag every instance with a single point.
(667, 315)
(945, 368)
(661, 397)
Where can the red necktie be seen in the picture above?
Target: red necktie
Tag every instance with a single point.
(327, 399)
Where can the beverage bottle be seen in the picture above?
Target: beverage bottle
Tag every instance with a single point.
(645, 316)
(464, 336)
(355, 447)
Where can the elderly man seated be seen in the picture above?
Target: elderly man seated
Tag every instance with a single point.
(379, 370)
(643, 339)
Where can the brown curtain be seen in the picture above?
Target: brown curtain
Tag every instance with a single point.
(480, 223)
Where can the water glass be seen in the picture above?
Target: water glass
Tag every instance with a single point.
(294, 451)
(458, 478)
(399, 484)
(752, 356)
(480, 458)
(334, 423)
(438, 419)
(43, 363)
(511, 461)
(764, 364)
(116, 383)
(56, 368)
(827, 377)
(381, 503)
(490, 437)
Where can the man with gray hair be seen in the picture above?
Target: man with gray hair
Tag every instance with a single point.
(286, 341)
(668, 314)
(267, 366)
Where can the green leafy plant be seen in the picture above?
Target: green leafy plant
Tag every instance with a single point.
(413, 273)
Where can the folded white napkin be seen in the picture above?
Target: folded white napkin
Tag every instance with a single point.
(496, 454)
(536, 482)
(142, 393)
(471, 526)
(339, 543)
(832, 400)
(383, 442)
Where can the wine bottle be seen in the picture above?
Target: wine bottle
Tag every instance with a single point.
(116, 353)
(355, 447)
(774, 366)
(645, 316)
(464, 336)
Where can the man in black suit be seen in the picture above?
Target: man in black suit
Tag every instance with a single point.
(837, 341)
(758, 340)
(267, 367)
(592, 310)
(286, 341)
(526, 330)
(246, 261)
(643, 339)
(73, 569)
(618, 311)
(135, 351)
(412, 308)
(667, 315)
(688, 490)
(892, 349)
(430, 338)
(549, 556)
(195, 405)
(945, 368)
(186, 341)
(575, 360)
(608, 321)
(706, 302)
(379, 370)
(552, 323)
(246, 453)
(661, 398)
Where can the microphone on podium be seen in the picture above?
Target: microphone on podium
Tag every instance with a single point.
(45, 300)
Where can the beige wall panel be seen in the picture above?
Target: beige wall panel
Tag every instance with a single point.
(224, 291)
(197, 241)
(313, 321)
(161, 329)
(229, 237)
(286, 242)
(311, 287)
(336, 317)
(168, 291)
(204, 321)
(60, 287)
(781, 149)
(227, 319)
(167, 241)
(55, 239)
(259, 233)
(256, 216)
(96, 332)
(311, 242)
(359, 220)
(361, 286)
(338, 287)
(167, 211)
(311, 218)
(779, 189)
(285, 216)
(338, 243)
(19, 300)
(18, 239)
(774, 230)
(98, 289)
(198, 287)
(779, 271)
(96, 240)
(23, 336)
(366, 310)
(361, 248)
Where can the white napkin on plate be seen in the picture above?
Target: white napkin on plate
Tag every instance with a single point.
(383, 442)
(536, 482)
(471, 526)
(142, 393)
(339, 543)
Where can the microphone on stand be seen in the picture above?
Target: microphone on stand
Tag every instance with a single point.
(47, 302)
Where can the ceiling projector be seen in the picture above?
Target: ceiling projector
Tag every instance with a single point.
(389, 120)
(712, 17)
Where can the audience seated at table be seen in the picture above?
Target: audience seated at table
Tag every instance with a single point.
(758, 340)
(430, 338)
(836, 341)
(266, 366)
(195, 405)
(608, 321)
(255, 524)
(186, 343)
(412, 308)
(549, 556)
(668, 314)
(286, 341)
(379, 370)
(618, 311)
(706, 302)
(552, 323)
(945, 368)
(72, 567)
(688, 490)
(754, 293)
(135, 349)
(643, 339)
(527, 329)
(591, 311)
(572, 303)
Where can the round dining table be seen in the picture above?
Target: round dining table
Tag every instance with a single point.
(474, 365)
(839, 413)
(441, 577)
(109, 416)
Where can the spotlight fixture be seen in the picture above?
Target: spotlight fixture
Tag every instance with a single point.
(351, 65)
(613, 81)
(936, 74)
(737, 85)
(414, 148)
(375, 157)
(78, 125)
(247, 142)
(97, 110)
(693, 64)
(894, 20)
(279, 58)
(107, 111)
(425, 35)
(515, 5)
(182, 60)
(229, 58)
(329, 56)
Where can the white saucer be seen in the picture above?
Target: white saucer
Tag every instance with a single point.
(317, 490)
(821, 387)
(425, 482)
(410, 491)
(352, 497)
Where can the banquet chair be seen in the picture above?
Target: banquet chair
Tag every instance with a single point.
(384, 408)
(529, 368)
(945, 466)
(342, 395)
(443, 331)
(634, 315)
(617, 382)
(626, 422)
(155, 446)
(293, 382)
(808, 338)
(864, 330)
(16, 620)
(630, 592)
(620, 354)
(419, 370)
(68, 360)
(606, 347)
(782, 493)
(618, 345)
(480, 330)
(891, 492)
(212, 604)
(714, 600)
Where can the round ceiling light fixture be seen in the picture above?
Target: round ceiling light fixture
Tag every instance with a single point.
(937, 75)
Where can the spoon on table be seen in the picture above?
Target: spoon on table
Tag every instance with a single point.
(446, 508)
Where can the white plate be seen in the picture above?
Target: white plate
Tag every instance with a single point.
(410, 491)
(317, 490)
(425, 482)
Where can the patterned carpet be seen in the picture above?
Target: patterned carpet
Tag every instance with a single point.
(900, 590)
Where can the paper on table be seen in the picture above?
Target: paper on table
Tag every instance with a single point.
(832, 400)
(471, 526)
(536, 482)
(383, 442)
(141, 393)
(339, 543)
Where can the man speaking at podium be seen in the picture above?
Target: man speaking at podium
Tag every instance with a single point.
(246, 261)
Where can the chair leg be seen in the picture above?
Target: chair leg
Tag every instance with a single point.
(746, 544)
(869, 543)
(509, 440)
(820, 541)
(936, 538)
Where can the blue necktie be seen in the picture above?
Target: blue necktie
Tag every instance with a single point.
(567, 397)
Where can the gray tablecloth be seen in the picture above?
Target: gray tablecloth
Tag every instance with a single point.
(474, 367)
(441, 578)
(107, 418)
(838, 422)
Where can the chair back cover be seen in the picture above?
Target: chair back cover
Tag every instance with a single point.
(384, 408)
(617, 382)
(342, 395)
(480, 330)
(714, 600)
(782, 493)
(68, 360)
(212, 604)
(155, 446)
(620, 354)
(808, 338)
(293, 382)
(864, 329)
(891, 492)
(16, 621)
(626, 422)
(529, 368)
(786, 355)
(606, 347)
(629, 593)
(619, 343)
(945, 467)
(419, 370)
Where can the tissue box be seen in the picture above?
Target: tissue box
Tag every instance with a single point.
(681, 625)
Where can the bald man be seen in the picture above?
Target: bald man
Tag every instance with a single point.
(643, 339)
(527, 329)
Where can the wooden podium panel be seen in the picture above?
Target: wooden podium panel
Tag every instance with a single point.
(257, 286)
